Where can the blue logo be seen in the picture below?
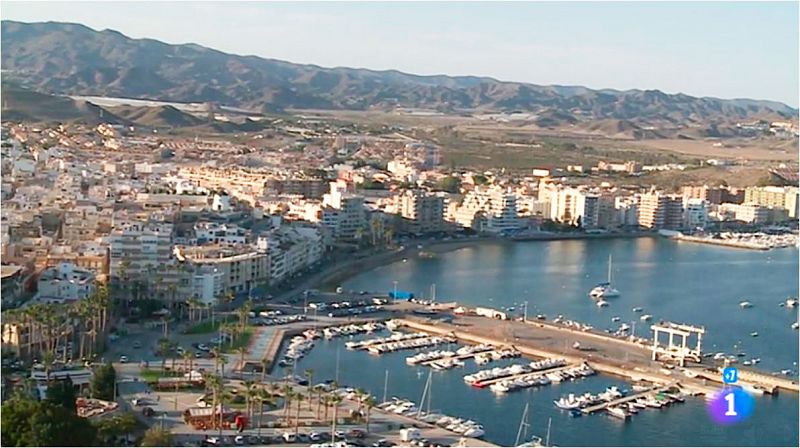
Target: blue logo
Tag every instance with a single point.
(730, 375)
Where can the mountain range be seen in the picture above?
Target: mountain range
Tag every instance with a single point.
(72, 59)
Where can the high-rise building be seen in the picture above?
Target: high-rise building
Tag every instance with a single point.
(138, 248)
(575, 207)
(627, 211)
(492, 209)
(695, 214)
(343, 212)
(423, 211)
(660, 211)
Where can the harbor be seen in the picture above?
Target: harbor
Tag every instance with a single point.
(754, 241)
(621, 359)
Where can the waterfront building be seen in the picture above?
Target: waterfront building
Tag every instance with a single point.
(660, 211)
(575, 207)
(422, 211)
(785, 198)
(242, 266)
(490, 209)
(749, 213)
(627, 210)
(695, 213)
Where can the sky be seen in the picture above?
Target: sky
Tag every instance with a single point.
(719, 49)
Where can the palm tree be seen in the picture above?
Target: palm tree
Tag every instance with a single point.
(241, 351)
(249, 393)
(299, 397)
(288, 393)
(326, 400)
(163, 349)
(369, 403)
(318, 389)
(360, 395)
(264, 365)
(188, 358)
(263, 397)
(335, 400)
(309, 375)
(48, 359)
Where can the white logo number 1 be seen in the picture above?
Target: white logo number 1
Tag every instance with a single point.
(731, 411)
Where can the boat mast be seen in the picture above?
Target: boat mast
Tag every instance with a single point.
(424, 394)
(433, 293)
(385, 385)
(547, 437)
(523, 423)
(609, 269)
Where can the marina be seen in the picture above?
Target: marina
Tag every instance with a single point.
(755, 241)
(623, 357)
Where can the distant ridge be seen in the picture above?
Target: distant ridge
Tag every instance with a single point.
(76, 60)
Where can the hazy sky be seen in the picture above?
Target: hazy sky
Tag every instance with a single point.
(727, 50)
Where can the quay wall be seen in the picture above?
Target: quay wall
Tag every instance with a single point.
(705, 385)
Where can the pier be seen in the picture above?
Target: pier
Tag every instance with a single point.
(515, 376)
(600, 406)
(455, 357)
(603, 353)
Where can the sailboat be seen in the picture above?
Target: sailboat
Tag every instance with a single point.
(522, 433)
(603, 290)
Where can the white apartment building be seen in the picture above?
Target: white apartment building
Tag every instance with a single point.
(491, 209)
(208, 283)
(627, 210)
(749, 213)
(575, 207)
(343, 212)
(143, 245)
(216, 233)
(695, 213)
(243, 267)
(65, 282)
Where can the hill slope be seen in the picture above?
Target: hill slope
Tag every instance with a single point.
(20, 104)
(74, 59)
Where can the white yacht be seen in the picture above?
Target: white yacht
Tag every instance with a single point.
(604, 289)
(646, 317)
(745, 304)
(791, 303)
(795, 326)
(601, 303)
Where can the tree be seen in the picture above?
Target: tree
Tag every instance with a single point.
(116, 426)
(29, 423)
(163, 350)
(156, 436)
(369, 403)
(62, 393)
(16, 416)
(103, 382)
(450, 184)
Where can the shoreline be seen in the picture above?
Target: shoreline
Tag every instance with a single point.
(341, 273)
